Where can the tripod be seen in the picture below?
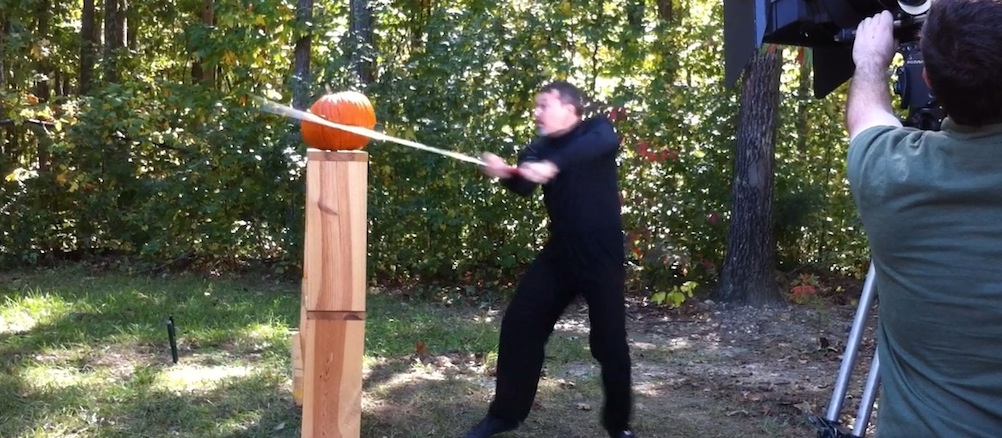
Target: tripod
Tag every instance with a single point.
(924, 113)
(829, 426)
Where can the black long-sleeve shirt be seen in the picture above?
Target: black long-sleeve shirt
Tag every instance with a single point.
(584, 196)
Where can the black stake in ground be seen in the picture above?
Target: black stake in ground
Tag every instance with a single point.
(172, 338)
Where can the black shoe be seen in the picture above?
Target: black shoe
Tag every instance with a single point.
(491, 426)
(625, 434)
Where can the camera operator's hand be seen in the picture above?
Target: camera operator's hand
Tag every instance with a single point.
(869, 100)
(874, 44)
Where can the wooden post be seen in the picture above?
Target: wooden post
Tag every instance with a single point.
(332, 317)
(297, 367)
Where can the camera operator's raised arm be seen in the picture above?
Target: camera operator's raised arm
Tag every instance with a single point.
(869, 100)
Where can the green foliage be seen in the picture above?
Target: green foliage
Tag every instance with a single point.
(164, 166)
(676, 296)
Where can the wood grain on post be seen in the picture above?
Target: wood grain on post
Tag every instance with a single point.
(333, 366)
(335, 246)
(332, 316)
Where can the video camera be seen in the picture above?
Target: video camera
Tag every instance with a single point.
(828, 27)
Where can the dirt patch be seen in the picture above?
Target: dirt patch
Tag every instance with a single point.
(708, 371)
(769, 365)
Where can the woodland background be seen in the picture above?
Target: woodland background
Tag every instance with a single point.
(126, 128)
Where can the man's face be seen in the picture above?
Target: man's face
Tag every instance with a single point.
(552, 115)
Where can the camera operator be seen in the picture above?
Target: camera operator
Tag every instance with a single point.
(931, 206)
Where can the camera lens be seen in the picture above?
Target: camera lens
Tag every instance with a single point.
(914, 7)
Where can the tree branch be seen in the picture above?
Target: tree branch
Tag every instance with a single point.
(30, 121)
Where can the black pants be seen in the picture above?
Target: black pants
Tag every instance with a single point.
(592, 266)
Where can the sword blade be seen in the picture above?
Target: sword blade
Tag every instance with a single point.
(288, 111)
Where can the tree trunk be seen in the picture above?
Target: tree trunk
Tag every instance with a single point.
(301, 65)
(131, 26)
(749, 268)
(666, 11)
(635, 11)
(9, 140)
(3, 39)
(7, 157)
(804, 97)
(88, 47)
(57, 84)
(418, 13)
(360, 22)
(200, 72)
(113, 39)
(43, 86)
(120, 13)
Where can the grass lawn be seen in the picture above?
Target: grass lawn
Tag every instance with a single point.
(85, 353)
(88, 355)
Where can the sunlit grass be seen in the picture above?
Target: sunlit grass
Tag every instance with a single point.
(20, 314)
(87, 354)
(402, 324)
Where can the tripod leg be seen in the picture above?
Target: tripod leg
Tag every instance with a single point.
(852, 347)
(869, 396)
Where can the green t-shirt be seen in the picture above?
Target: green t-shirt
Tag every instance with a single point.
(931, 205)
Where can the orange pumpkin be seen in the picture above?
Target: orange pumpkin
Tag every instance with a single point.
(347, 108)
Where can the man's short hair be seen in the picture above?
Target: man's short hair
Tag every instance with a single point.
(569, 94)
(961, 44)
